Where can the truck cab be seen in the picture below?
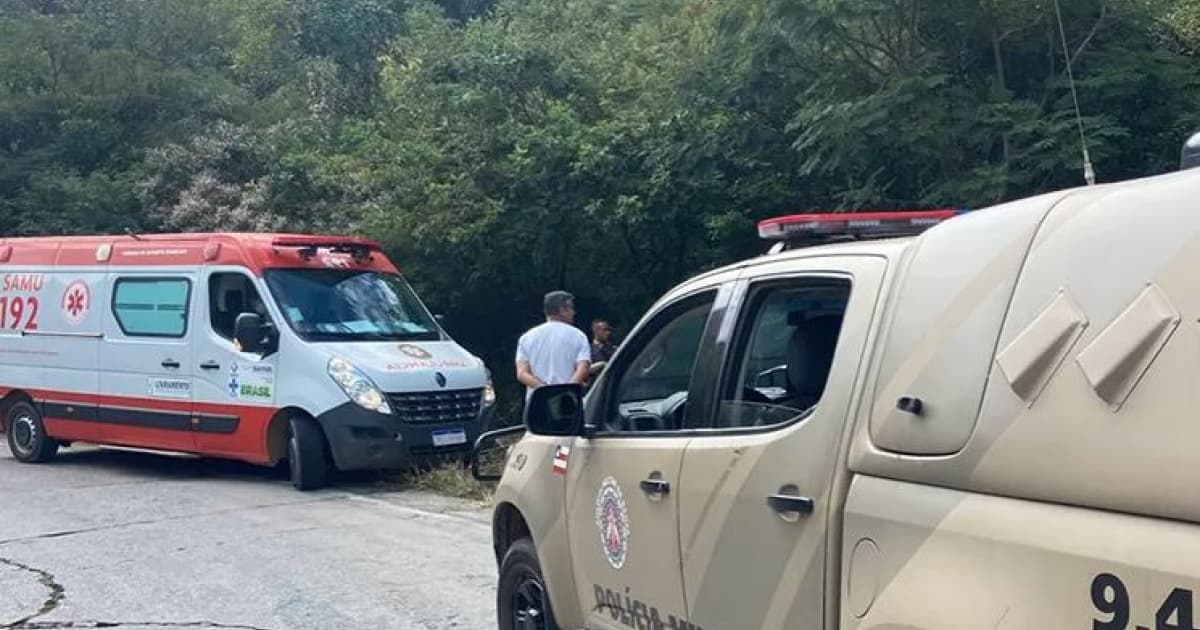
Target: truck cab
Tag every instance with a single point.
(944, 420)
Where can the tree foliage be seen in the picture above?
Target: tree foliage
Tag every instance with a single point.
(502, 148)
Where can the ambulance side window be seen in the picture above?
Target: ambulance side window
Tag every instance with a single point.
(783, 351)
(152, 307)
(229, 295)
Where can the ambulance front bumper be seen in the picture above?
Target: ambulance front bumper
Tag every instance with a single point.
(364, 440)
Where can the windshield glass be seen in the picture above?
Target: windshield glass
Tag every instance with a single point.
(349, 305)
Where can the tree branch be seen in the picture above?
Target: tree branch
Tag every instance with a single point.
(1037, 19)
(627, 238)
(1054, 71)
(890, 46)
(915, 25)
(850, 39)
(1095, 29)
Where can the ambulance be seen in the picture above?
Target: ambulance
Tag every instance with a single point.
(265, 348)
(934, 420)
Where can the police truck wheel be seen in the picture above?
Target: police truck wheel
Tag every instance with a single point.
(522, 600)
(27, 437)
(306, 455)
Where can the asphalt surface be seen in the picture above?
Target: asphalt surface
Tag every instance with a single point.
(102, 538)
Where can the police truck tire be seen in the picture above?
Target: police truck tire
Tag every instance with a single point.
(521, 599)
(307, 464)
(27, 438)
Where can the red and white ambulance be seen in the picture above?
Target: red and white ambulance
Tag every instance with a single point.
(256, 347)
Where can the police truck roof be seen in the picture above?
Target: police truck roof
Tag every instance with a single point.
(799, 230)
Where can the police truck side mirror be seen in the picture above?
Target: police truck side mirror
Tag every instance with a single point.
(555, 410)
(249, 332)
(491, 452)
(1190, 156)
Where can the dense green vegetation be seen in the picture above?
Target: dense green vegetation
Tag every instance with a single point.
(502, 148)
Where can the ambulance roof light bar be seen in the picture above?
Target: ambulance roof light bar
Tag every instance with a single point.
(359, 248)
(799, 230)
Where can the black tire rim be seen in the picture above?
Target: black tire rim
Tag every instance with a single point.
(24, 434)
(529, 605)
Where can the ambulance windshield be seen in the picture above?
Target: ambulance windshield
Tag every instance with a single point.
(350, 305)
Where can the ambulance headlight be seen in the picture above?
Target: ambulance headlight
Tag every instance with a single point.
(357, 386)
(489, 392)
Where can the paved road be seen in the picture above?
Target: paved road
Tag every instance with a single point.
(102, 538)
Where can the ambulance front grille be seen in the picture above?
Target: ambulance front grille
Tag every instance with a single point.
(437, 407)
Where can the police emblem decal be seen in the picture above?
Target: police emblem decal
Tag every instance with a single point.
(612, 520)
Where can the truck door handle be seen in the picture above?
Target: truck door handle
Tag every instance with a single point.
(790, 505)
(170, 363)
(210, 365)
(655, 486)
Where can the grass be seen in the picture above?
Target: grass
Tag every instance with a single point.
(454, 479)
(449, 479)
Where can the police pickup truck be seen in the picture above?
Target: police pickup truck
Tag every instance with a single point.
(987, 423)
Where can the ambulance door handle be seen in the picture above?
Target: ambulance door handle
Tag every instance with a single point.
(210, 365)
(170, 363)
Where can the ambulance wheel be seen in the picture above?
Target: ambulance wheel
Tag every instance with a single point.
(522, 600)
(27, 437)
(306, 455)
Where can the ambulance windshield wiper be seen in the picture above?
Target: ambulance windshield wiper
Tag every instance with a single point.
(328, 336)
(396, 336)
(428, 335)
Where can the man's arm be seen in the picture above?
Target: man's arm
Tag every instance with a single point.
(525, 375)
(582, 368)
(583, 360)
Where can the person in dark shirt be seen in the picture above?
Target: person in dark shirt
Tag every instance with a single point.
(602, 345)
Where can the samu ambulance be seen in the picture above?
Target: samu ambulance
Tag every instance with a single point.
(255, 347)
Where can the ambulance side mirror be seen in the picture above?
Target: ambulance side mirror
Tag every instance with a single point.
(251, 333)
(555, 410)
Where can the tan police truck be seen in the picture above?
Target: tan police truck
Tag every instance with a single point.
(992, 423)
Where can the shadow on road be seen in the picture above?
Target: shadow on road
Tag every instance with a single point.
(152, 466)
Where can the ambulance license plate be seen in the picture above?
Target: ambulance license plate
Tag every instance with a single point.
(449, 437)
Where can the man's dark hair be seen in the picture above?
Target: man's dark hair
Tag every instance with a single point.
(556, 301)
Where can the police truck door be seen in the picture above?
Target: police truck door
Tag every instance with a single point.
(623, 482)
(757, 479)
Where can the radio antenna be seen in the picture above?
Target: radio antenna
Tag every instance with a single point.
(1089, 174)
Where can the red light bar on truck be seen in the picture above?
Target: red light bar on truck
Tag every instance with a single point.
(850, 225)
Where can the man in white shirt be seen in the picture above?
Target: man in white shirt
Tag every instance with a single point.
(556, 351)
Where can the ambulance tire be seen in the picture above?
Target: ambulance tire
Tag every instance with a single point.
(521, 599)
(27, 438)
(307, 463)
